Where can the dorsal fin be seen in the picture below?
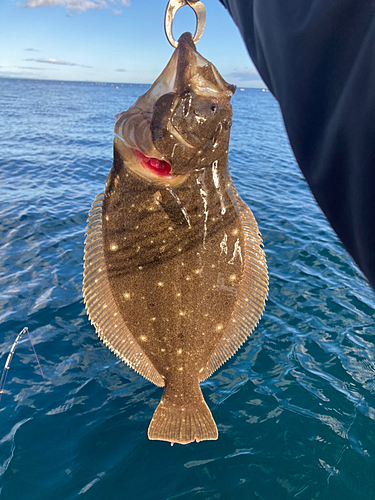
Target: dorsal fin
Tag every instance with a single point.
(101, 306)
(252, 294)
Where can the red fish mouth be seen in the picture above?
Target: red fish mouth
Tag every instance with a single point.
(158, 167)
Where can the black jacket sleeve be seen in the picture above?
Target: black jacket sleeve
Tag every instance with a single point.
(318, 59)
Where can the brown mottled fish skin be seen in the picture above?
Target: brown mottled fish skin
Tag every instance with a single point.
(175, 275)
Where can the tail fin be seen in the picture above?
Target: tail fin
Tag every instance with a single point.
(182, 423)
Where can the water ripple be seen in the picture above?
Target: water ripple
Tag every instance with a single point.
(295, 407)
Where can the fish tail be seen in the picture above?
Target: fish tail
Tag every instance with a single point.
(181, 422)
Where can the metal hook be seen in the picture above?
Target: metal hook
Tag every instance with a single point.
(172, 8)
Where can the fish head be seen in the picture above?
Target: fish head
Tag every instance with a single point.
(182, 123)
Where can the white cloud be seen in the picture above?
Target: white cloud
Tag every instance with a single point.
(77, 5)
(52, 60)
(32, 67)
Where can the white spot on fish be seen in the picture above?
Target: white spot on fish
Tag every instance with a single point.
(236, 252)
(203, 193)
(113, 247)
(224, 245)
(215, 175)
(183, 209)
(216, 180)
(232, 288)
(160, 283)
(126, 295)
(143, 338)
(200, 119)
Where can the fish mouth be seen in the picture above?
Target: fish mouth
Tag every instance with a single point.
(157, 167)
(149, 168)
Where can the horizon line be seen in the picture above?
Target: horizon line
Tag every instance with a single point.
(96, 82)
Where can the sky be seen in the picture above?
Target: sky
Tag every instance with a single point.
(118, 41)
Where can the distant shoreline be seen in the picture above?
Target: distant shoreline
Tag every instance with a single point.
(121, 84)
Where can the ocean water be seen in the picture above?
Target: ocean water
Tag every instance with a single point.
(295, 407)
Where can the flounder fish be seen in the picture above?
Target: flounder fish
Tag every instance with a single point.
(175, 275)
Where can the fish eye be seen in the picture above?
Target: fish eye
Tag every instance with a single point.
(213, 108)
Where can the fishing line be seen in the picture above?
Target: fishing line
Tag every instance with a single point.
(10, 356)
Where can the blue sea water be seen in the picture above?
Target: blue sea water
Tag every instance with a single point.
(295, 407)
